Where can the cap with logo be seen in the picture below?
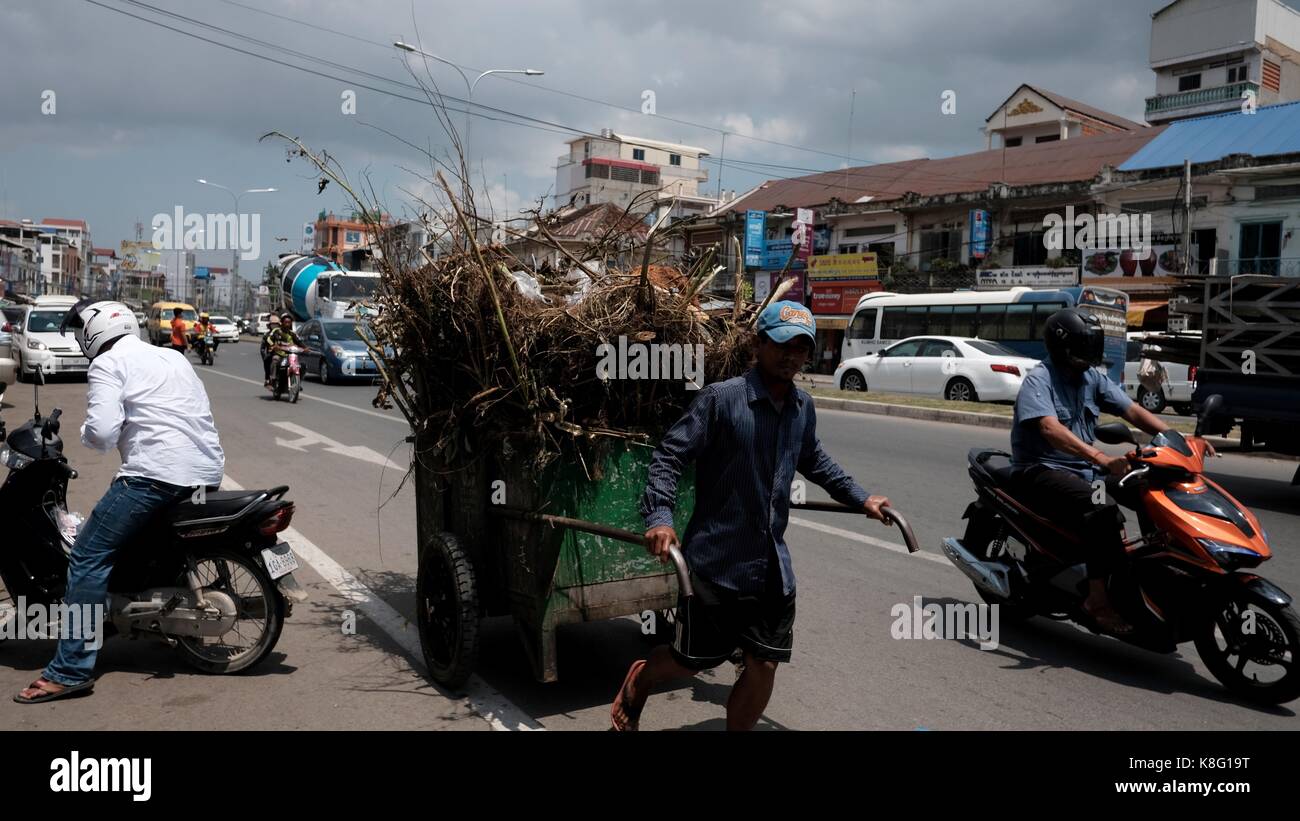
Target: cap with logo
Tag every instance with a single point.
(783, 321)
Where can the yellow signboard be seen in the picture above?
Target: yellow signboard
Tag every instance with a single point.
(842, 266)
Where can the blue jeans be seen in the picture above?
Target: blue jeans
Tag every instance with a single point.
(123, 513)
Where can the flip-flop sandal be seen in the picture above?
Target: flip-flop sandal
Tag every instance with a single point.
(633, 718)
(51, 695)
(1112, 623)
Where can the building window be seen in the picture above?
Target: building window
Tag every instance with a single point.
(1030, 249)
(674, 159)
(638, 154)
(847, 249)
(1237, 74)
(649, 177)
(940, 243)
(1012, 142)
(1260, 248)
(884, 252)
(618, 174)
(586, 149)
(1047, 138)
(1189, 82)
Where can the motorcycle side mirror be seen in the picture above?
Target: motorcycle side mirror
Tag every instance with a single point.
(39, 377)
(1115, 433)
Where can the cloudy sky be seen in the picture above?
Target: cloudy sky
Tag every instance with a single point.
(141, 111)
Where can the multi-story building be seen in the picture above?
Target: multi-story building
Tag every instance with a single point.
(1210, 56)
(1033, 115)
(630, 171)
(20, 257)
(68, 263)
(336, 236)
(103, 271)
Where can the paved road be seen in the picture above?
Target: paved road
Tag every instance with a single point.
(356, 524)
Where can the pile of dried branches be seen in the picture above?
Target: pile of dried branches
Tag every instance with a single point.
(484, 352)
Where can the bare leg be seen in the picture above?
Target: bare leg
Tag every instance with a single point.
(750, 695)
(660, 667)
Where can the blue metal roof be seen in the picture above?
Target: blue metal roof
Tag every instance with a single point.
(1271, 130)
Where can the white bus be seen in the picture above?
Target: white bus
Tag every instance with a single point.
(1013, 317)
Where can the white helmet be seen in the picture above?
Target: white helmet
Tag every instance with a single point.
(97, 323)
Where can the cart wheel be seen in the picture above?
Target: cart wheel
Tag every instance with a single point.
(446, 597)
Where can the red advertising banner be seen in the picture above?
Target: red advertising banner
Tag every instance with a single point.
(841, 297)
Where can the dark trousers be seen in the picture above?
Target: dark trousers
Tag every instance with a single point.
(1073, 503)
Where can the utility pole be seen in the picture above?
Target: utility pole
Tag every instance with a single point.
(1187, 217)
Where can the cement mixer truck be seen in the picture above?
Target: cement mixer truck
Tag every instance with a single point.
(314, 287)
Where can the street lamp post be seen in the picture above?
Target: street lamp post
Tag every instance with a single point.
(234, 268)
(469, 86)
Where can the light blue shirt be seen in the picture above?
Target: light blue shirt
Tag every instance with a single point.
(1076, 404)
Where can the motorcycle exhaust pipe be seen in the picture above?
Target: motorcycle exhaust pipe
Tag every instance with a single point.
(990, 577)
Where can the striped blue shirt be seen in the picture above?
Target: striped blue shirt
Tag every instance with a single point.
(745, 454)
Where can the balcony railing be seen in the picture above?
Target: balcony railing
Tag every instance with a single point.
(1200, 96)
(1267, 266)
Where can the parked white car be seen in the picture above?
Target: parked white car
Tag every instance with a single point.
(226, 330)
(8, 371)
(952, 367)
(1176, 388)
(36, 339)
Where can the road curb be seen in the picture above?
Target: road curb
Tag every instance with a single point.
(984, 420)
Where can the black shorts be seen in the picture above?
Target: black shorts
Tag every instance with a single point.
(713, 623)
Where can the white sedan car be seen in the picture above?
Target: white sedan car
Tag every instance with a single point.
(225, 330)
(951, 367)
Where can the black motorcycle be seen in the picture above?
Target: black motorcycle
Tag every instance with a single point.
(205, 346)
(208, 576)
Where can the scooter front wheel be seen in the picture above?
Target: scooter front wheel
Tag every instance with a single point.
(1252, 646)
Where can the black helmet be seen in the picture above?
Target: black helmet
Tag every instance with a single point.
(1075, 340)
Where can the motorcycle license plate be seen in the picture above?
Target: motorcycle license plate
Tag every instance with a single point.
(279, 560)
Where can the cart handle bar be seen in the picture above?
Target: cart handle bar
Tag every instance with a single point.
(674, 553)
(893, 515)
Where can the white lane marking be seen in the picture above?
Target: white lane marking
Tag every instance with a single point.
(499, 712)
(871, 540)
(311, 437)
(401, 420)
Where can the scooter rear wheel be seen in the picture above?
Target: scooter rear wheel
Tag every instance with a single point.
(259, 614)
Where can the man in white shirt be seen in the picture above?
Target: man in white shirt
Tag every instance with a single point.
(149, 403)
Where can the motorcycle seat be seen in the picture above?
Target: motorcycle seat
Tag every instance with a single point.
(217, 504)
(996, 464)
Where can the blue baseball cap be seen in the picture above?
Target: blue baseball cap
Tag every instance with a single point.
(783, 321)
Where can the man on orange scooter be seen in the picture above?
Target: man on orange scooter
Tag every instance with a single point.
(1051, 445)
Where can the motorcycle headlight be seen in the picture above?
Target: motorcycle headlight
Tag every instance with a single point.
(35, 345)
(12, 459)
(1231, 556)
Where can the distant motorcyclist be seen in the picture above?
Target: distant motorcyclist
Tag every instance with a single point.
(275, 342)
(203, 328)
(1051, 444)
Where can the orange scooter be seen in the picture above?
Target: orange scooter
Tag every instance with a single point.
(1187, 577)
